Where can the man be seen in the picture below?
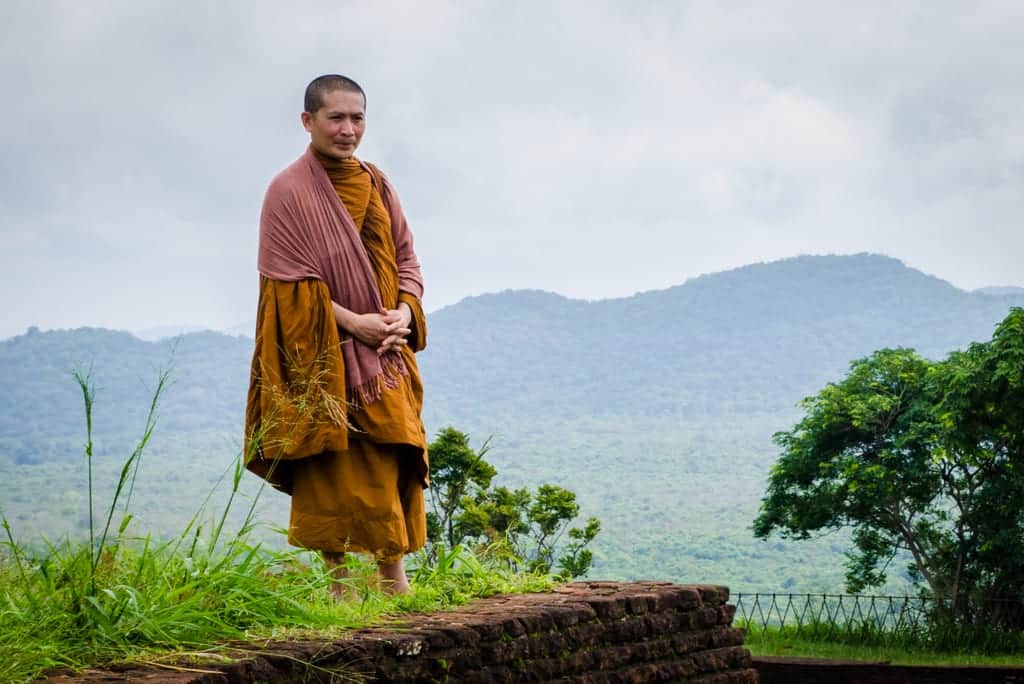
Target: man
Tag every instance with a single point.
(333, 411)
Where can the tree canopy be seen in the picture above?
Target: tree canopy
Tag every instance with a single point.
(525, 528)
(915, 456)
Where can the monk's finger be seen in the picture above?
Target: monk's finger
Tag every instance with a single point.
(393, 343)
(397, 328)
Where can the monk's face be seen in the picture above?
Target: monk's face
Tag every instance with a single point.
(337, 127)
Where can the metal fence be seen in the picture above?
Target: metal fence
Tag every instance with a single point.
(906, 618)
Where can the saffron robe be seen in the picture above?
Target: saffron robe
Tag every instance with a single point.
(356, 472)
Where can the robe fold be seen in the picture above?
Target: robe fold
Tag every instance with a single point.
(355, 470)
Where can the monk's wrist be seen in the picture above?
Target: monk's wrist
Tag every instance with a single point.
(406, 311)
(342, 316)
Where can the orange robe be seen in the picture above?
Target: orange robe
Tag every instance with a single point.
(355, 473)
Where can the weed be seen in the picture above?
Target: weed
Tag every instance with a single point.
(117, 597)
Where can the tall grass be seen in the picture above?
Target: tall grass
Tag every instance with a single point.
(114, 596)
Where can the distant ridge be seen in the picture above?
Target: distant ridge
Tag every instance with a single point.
(168, 331)
(164, 331)
(757, 337)
(864, 264)
(1001, 291)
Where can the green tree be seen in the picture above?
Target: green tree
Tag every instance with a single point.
(981, 412)
(578, 558)
(456, 470)
(524, 528)
(915, 456)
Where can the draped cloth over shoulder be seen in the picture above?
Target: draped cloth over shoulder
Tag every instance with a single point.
(306, 232)
(327, 420)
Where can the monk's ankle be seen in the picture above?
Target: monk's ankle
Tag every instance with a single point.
(392, 577)
(394, 588)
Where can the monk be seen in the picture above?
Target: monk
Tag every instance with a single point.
(335, 396)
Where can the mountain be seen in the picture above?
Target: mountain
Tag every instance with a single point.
(754, 339)
(1001, 291)
(207, 385)
(165, 331)
(658, 409)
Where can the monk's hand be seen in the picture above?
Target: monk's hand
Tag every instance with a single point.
(372, 329)
(399, 321)
(384, 330)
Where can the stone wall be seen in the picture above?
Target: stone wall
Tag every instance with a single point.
(584, 632)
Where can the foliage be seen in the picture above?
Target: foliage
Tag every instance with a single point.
(153, 600)
(945, 637)
(113, 596)
(522, 527)
(455, 468)
(920, 457)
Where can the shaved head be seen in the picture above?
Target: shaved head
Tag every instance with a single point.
(321, 85)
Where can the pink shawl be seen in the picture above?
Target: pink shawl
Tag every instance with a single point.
(306, 232)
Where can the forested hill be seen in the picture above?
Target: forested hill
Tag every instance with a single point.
(1001, 291)
(754, 339)
(657, 409)
(209, 375)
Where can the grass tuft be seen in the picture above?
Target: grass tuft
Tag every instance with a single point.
(116, 597)
(785, 643)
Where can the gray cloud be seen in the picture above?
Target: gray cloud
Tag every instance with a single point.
(593, 149)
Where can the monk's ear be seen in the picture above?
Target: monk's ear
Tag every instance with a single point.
(307, 121)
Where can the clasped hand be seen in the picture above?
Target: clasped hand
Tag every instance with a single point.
(385, 331)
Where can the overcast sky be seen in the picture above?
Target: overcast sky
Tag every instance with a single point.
(586, 148)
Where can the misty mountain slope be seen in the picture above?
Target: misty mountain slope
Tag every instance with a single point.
(1011, 291)
(757, 338)
(43, 400)
(752, 340)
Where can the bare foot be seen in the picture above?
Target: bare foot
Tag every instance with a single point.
(341, 590)
(393, 577)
